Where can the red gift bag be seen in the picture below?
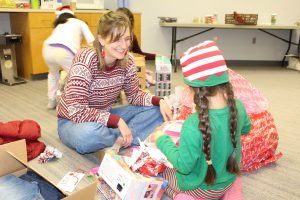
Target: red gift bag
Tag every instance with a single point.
(259, 146)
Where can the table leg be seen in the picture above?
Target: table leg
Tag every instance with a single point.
(173, 48)
(172, 45)
(175, 42)
(288, 49)
(299, 48)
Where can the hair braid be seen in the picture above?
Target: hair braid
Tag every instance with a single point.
(232, 165)
(201, 102)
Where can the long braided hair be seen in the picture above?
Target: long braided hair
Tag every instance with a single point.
(112, 25)
(202, 105)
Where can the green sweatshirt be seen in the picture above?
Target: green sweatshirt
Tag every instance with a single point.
(189, 159)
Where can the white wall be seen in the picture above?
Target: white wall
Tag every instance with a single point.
(4, 23)
(235, 44)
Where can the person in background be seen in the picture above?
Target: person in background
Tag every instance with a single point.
(135, 47)
(61, 46)
(87, 122)
(207, 161)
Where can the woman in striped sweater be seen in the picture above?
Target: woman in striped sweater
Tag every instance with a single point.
(86, 120)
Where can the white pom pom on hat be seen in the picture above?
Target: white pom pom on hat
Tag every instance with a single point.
(204, 65)
(63, 9)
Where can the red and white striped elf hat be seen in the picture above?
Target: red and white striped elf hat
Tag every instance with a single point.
(63, 9)
(204, 65)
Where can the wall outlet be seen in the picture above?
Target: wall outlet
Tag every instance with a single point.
(254, 40)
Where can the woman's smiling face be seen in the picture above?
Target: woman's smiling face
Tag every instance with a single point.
(116, 49)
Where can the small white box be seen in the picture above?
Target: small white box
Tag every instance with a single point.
(127, 184)
(163, 76)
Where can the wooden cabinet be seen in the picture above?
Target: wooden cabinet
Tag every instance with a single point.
(35, 28)
(92, 20)
(137, 27)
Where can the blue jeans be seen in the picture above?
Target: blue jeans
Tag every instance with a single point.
(12, 187)
(48, 191)
(91, 136)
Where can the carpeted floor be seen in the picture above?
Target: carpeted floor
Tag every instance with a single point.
(281, 86)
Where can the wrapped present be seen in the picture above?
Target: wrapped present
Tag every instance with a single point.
(147, 160)
(147, 165)
(251, 97)
(259, 146)
(184, 113)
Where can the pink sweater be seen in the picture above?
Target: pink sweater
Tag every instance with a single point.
(90, 93)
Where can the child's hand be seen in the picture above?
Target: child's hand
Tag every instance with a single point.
(155, 135)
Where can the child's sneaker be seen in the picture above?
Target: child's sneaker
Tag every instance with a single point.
(52, 103)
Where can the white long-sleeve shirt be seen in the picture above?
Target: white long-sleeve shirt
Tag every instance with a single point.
(70, 34)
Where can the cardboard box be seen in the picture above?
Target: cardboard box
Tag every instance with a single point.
(163, 76)
(14, 156)
(127, 184)
(141, 69)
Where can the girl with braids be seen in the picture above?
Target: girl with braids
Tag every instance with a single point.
(206, 163)
(86, 120)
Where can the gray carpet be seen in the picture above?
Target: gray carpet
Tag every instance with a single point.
(281, 86)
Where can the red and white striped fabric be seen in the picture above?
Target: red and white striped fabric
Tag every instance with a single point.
(202, 60)
(63, 9)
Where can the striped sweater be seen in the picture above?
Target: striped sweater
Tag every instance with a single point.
(90, 93)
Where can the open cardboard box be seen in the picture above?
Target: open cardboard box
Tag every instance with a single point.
(14, 156)
(127, 184)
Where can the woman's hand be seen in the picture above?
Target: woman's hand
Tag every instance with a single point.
(126, 133)
(165, 110)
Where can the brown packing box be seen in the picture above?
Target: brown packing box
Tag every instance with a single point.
(14, 156)
(141, 66)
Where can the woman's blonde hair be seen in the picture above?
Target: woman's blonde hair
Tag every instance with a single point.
(112, 25)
